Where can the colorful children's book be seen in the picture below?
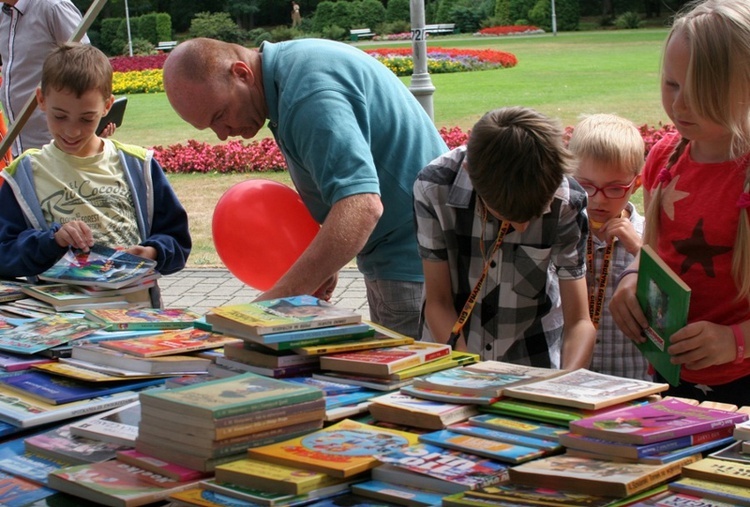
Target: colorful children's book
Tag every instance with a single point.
(16, 362)
(279, 315)
(142, 318)
(448, 397)
(117, 426)
(665, 300)
(252, 497)
(501, 451)
(655, 422)
(342, 450)
(403, 409)
(64, 369)
(65, 297)
(57, 390)
(396, 493)
(585, 389)
(719, 470)
(10, 291)
(115, 484)
(592, 476)
(374, 383)
(16, 492)
(454, 360)
(61, 445)
(438, 468)
(319, 336)
(730, 493)
(101, 266)
(171, 342)
(98, 356)
(548, 446)
(45, 333)
(16, 460)
(230, 396)
(385, 361)
(610, 448)
(172, 470)
(525, 427)
(274, 478)
(25, 411)
(328, 387)
(372, 342)
(511, 494)
(260, 355)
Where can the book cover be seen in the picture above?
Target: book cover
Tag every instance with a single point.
(117, 426)
(454, 360)
(585, 389)
(448, 397)
(374, 383)
(635, 451)
(445, 470)
(274, 478)
(16, 492)
(396, 493)
(369, 343)
(280, 315)
(742, 430)
(65, 369)
(230, 396)
(343, 399)
(401, 408)
(257, 497)
(328, 387)
(343, 449)
(732, 452)
(548, 446)
(10, 291)
(665, 300)
(672, 498)
(172, 470)
(115, 484)
(142, 318)
(719, 470)
(15, 362)
(592, 476)
(260, 355)
(60, 444)
(16, 460)
(57, 390)
(278, 372)
(501, 451)
(45, 333)
(385, 361)
(98, 357)
(291, 340)
(171, 342)
(655, 422)
(735, 495)
(511, 494)
(25, 411)
(464, 381)
(526, 427)
(63, 296)
(101, 266)
(545, 412)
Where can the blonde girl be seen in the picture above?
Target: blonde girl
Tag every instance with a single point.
(696, 185)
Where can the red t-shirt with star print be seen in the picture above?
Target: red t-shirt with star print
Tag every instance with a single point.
(697, 231)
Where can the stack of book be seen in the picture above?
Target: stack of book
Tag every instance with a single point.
(62, 297)
(214, 422)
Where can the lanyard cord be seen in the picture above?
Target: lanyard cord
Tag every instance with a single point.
(596, 297)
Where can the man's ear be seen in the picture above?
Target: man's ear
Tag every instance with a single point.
(242, 71)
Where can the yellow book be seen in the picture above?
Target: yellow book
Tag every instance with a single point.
(343, 449)
(273, 478)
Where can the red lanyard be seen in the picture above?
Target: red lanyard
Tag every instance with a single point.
(596, 298)
(472, 299)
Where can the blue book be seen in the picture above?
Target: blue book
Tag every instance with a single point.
(500, 451)
(57, 390)
(329, 387)
(15, 460)
(17, 492)
(389, 492)
(307, 337)
(504, 436)
(343, 399)
(536, 429)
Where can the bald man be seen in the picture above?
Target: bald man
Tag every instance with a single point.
(354, 138)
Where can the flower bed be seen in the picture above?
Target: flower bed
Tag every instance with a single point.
(444, 60)
(509, 30)
(264, 155)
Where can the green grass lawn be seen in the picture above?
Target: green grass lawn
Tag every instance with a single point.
(563, 76)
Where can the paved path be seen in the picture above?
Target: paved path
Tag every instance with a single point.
(205, 288)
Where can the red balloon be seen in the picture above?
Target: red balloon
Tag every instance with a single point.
(260, 228)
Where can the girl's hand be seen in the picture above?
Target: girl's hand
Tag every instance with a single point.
(623, 230)
(702, 344)
(75, 234)
(148, 252)
(626, 311)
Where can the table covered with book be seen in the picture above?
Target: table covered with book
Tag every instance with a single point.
(298, 402)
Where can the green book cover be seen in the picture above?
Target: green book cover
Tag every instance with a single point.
(665, 301)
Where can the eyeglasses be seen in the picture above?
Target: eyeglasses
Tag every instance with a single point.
(610, 192)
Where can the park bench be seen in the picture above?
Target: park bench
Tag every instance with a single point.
(166, 46)
(441, 29)
(360, 33)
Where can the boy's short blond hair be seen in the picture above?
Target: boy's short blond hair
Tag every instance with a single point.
(78, 68)
(516, 160)
(609, 139)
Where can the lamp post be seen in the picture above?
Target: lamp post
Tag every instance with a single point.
(554, 19)
(421, 84)
(127, 22)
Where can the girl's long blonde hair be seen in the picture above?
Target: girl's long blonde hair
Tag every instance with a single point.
(717, 88)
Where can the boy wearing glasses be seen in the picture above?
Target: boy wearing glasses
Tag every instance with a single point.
(502, 234)
(610, 155)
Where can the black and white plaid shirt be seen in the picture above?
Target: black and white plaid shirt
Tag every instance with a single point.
(518, 316)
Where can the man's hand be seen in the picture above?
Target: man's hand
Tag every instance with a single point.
(325, 291)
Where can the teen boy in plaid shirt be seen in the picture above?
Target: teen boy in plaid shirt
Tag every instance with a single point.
(503, 205)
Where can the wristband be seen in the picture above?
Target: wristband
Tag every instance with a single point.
(739, 341)
(623, 275)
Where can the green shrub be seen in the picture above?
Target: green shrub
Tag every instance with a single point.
(217, 25)
(519, 10)
(282, 33)
(398, 10)
(345, 15)
(147, 28)
(323, 16)
(141, 47)
(163, 27)
(369, 13)
(629, 19)
(257, 36)
(566, 15)
(393, 27)
(334, 32)
(501, 16)
(107, 35)
(445, 9)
